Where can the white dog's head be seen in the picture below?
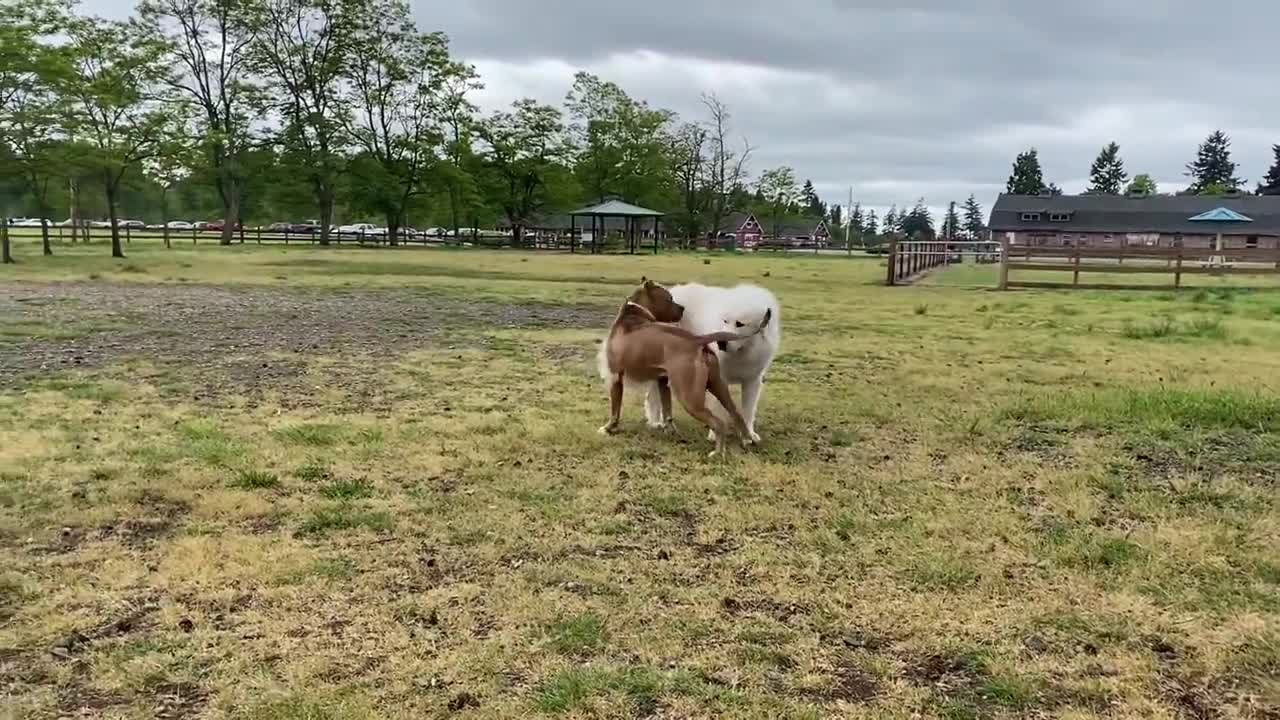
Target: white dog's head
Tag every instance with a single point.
(743, 321)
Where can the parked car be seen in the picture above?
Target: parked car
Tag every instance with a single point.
(29, 222)
(278, 227)
(360, 229)
(217, 225)
(179, 225)
(133, 224)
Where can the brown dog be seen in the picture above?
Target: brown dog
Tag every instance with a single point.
(641, 348)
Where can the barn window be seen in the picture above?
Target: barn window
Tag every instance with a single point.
(1059, 217)
(1108, 239)
(1030, 217)
(1251, 241)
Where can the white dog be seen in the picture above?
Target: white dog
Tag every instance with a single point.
(713, 309)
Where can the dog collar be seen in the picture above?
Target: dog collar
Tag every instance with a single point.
(644, 309)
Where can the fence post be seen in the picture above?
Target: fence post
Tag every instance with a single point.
(892, 278)
(1177, 270)
(1075, 275)
(6, 256)
(259, 234)
(1004, 262)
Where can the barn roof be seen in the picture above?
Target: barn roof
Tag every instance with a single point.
(1190, 214)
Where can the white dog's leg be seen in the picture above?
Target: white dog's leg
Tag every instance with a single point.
(653, 406)
(751, 391)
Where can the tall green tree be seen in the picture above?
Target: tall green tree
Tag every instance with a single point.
(812, 204)
(303, 49)
(951, 223)
(209, 41)
(918, 222)
(1270, 184)
(889, 224)
(1107, 175)
(526, 151)
(394, 86)
(973, 219)
(1027, 177)
(623, 144)
(689, 165)
(31, 111)
(112, 83)
(857, 222)
(835, 217)
(778, 187)
(870, 226)
(1143, 185)
(458, 114)
(1213, 168)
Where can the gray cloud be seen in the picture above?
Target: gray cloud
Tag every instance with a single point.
(905, 99)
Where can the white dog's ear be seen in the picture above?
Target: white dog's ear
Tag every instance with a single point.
(768, 315)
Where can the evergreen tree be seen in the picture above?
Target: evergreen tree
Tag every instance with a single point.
(951, 224)
(856, 219)
(973, 225)
(1142, 185)
(1027, 178)
(1053, 189)
(835, 217)
(810, 202)
(870, 226)
(1270, 184)
(918, 223)
(890, 222)
(1213, 167)
(1107, 176)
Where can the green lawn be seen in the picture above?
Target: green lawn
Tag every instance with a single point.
(308, 484)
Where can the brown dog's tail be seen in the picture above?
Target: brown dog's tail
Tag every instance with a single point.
(719, 337)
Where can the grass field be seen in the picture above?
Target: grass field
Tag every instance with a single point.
(305, 484)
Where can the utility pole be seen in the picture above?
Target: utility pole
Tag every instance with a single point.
(848, 225)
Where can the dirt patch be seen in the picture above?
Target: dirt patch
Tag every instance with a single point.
(244, 339)
(174, 701)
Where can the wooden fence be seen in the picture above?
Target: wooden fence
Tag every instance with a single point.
(1131, 260)
(908, 258)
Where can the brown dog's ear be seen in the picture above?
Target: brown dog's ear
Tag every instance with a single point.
(646, 282)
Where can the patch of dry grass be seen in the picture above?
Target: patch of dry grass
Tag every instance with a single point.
(995, 508)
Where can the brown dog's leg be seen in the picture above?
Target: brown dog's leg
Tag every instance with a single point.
(615, 407)
(720, 391)
(664, 394)
(691, 389)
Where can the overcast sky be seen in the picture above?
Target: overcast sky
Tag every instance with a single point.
(905, 98)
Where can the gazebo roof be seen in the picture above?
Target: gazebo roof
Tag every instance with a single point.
(1221, 214)
(616, 208)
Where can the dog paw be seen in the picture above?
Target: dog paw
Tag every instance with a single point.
(755, 437)
(608, 429)
(711, 435)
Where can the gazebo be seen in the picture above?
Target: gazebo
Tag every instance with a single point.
(631, 216)
(1220, 217)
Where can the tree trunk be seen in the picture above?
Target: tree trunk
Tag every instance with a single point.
(393, 229)
(5, 256)
(326, 214)
(75, 221)
(230, 213)
(454, 211)
(44, 238)
(116, 250)
(164, 215)
(517, 235)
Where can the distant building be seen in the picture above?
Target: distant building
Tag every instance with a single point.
(1193, 221)
(798, 232)
(740, 227)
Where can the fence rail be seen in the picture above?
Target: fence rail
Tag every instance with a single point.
(1175, 261)
(909, 258)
